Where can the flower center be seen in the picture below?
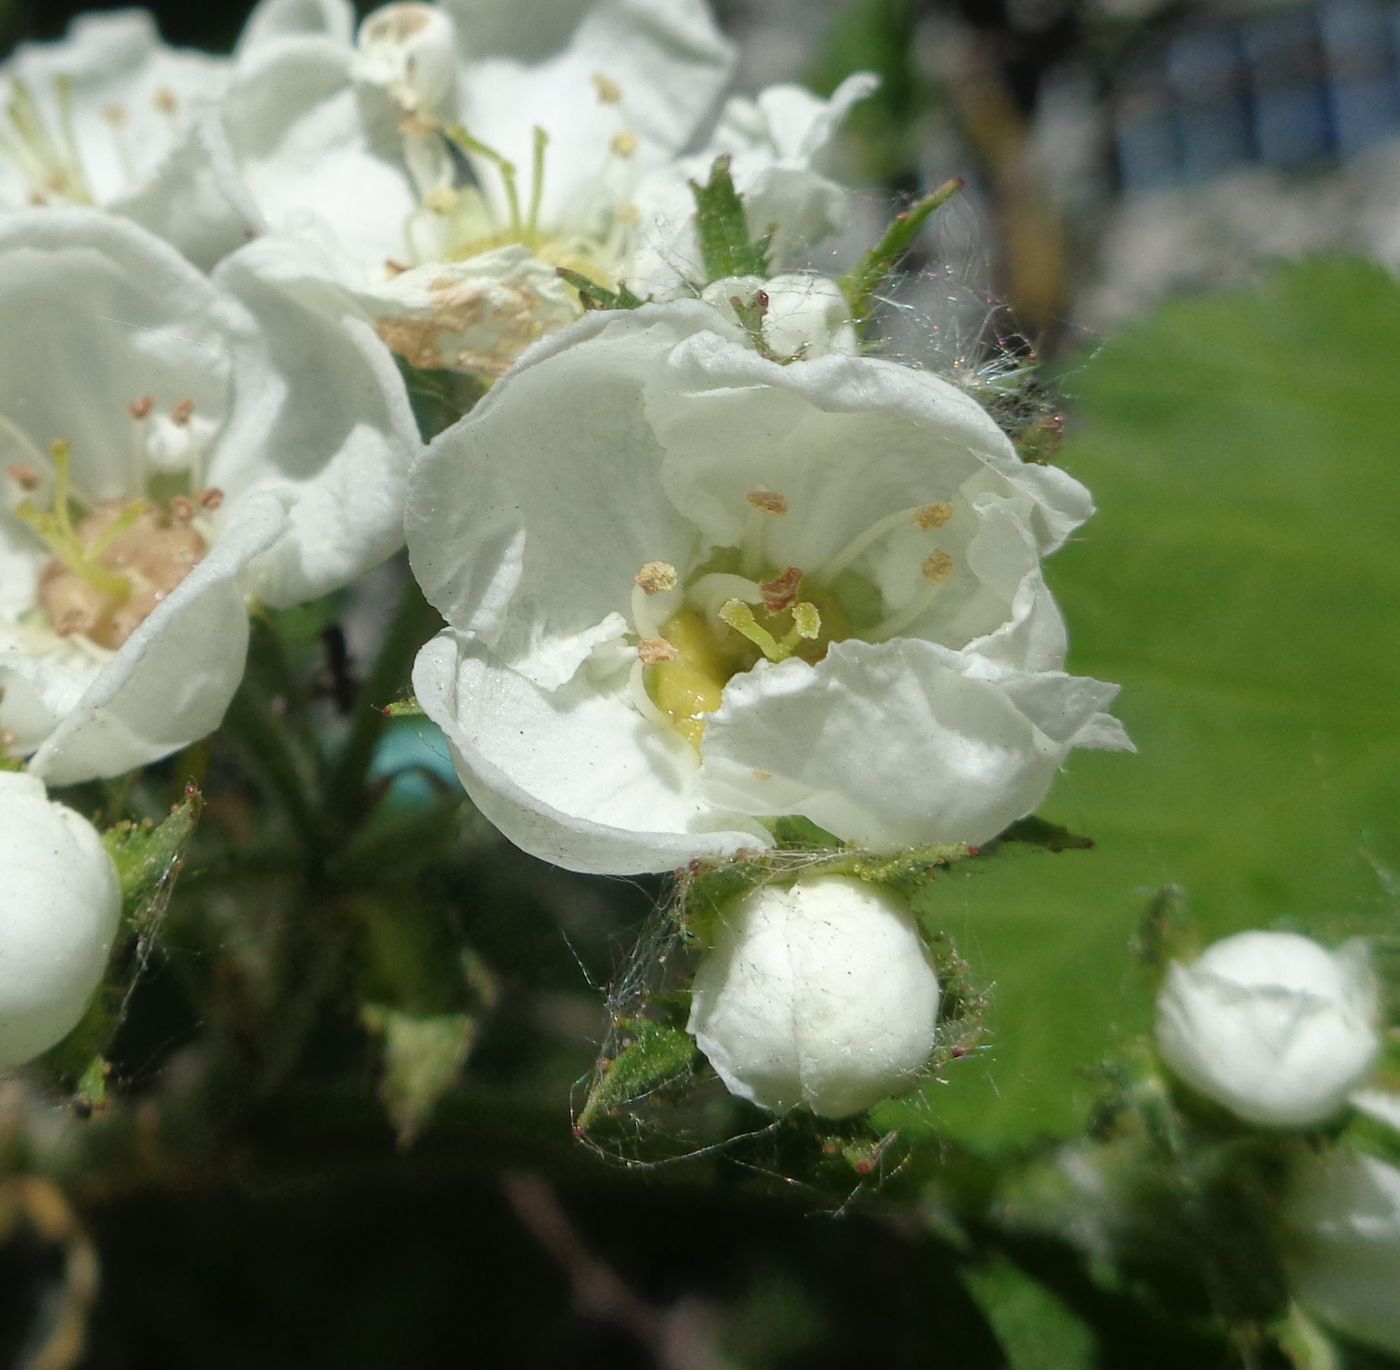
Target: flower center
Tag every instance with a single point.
(457, 219)
(732, 613)
(112, 561)
(47, 157)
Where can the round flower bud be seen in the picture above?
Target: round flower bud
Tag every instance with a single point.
(1341, 1244)
(1273, 1026)
(820, 993)
(411, 51)
(59, 911)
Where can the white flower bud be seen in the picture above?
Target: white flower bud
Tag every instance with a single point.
(820, 993)
(411, 51)
(1341, 1244)
(806, 315)
(1273, 1026)
(58, 917)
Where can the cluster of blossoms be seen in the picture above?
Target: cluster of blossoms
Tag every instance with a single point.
(703, 563)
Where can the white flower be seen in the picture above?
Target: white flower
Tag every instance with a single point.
(1274, 1027)
(110, 116)
(689, 589)
(820, 993)
(1341, 1226)
(803, 315)
(168, 447)
(460, 153)
(58, 916)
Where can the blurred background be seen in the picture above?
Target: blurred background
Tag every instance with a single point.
(1116, 153)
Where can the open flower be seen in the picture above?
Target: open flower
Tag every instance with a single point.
(1274, 1027)
(171, 447)
(58, 915)
(690, 589)
(818, 993)
(1341, 1244)
(110, 116)
(459, 153)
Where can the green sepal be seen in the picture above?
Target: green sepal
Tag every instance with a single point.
(403, 708)
(592, 296)
(148, 857)
(655, 1054)
(861, 282)
(1038, 832)
(422, 1057)
(725, 246)
(439, 398)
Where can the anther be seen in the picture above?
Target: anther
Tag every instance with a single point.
(624, 144)
(140, 409)
(181, 508)
(395, 268)
(767, 502)
(609, 92)
(211, 498)
(114, 115)
(781, 592)
(165, 101)
(653, 650)
(181, 414)
(657, 576)
(937, 567)
(933, 516)
(441, 199)
(26, 477)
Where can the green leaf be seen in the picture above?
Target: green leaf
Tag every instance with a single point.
(1241, 581)
(725, 246)
(656, 1054)
(1036, 1330)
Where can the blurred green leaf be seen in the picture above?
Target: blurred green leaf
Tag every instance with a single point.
(1242, 581)
(423, 1054)
(1036, 1330)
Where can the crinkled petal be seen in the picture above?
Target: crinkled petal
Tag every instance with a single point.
(476, 315)
(172, 680)
(528, 522)
(320, 411)
(895, 744)
(576, 775)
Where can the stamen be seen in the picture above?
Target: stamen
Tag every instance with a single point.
(532, 222)
(210, 499)
(23, 441)
(654, 578)
(165, 101)
(140, 409)
(505, 168)
(711, 591)
(781, 592)
(653, 650)
(182, 412)
(609, 92)
(762, 504)
(441, 200)
(740, 617)
(927, 517)
(624, 144)
(641, 700)
(806, 624)
(937, 568)
(26, 477)
(182, 508)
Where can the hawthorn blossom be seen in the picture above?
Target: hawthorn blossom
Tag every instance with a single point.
(1274, 1027)
(445, 166)
(111, 116)
(61, 905)
(171, 447)
(1341, 1243)
(820, 993)
(690, 589)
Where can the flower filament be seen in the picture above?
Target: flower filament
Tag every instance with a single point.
(47, 158)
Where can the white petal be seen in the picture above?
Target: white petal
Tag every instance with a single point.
(535, 64)
(320, 411)
(172, 680)
(575, 776)
(274, 21)
(895, 744)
